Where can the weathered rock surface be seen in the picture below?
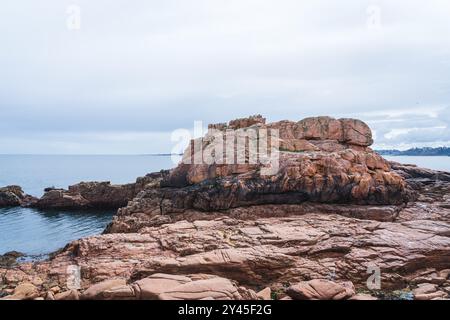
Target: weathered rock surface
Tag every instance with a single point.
(173, 287)
(95, 194)
(96, 291)
(24, 291)
(321, 290)
(12, 196)
(313, 230)
(329, 162)
(266, 252)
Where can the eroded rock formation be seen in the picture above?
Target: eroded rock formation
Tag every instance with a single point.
(318, 160)
(12, 196)
(332, 212)
(95, 194)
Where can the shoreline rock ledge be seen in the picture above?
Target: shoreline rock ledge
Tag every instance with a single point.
(333, 216)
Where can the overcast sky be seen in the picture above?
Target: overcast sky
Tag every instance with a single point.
(134, 71)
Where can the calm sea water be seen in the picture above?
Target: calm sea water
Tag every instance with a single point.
(36, 232)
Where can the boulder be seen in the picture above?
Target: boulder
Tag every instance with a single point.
(96, 291)
(265, 294)
(171, 287)
(123, 292)
(151, 287)
(319, 160)
(321, 290)
(213, 288)
(24, 291)
(66, 295)
(13, 196)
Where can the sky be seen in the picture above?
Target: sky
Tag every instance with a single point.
(118, 77)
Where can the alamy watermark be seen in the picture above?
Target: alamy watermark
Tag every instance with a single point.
(373, 21)
(73, 21)
(221, 145)
(374, 280)
(73, 280)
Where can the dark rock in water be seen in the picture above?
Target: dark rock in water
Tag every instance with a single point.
(100, 195)
(412, 173)
(13, 196)
(10, 258)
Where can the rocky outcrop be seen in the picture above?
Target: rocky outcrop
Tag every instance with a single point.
(24, 291)
(84, 195)
(333, 216)
(318, 161)
(10, 258)
(87, 195)
(13, 196)
(95, 194)
(412, 173)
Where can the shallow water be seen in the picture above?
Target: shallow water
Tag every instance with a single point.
(36, 232)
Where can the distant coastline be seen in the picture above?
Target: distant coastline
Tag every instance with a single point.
(440, 151)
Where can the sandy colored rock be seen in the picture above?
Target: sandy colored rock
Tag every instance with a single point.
(214, 288)
(321, 290)
(67, 295)
(96, 290)
(24, 291)
(265, 294)
(151, 287)
(124, 292)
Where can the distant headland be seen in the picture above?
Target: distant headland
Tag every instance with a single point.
(440, 151)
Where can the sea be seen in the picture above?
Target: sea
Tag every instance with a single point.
(37, 233)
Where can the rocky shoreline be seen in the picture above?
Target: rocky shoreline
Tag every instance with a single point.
(334, 221)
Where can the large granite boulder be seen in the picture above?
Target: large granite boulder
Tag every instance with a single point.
(319, 160)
